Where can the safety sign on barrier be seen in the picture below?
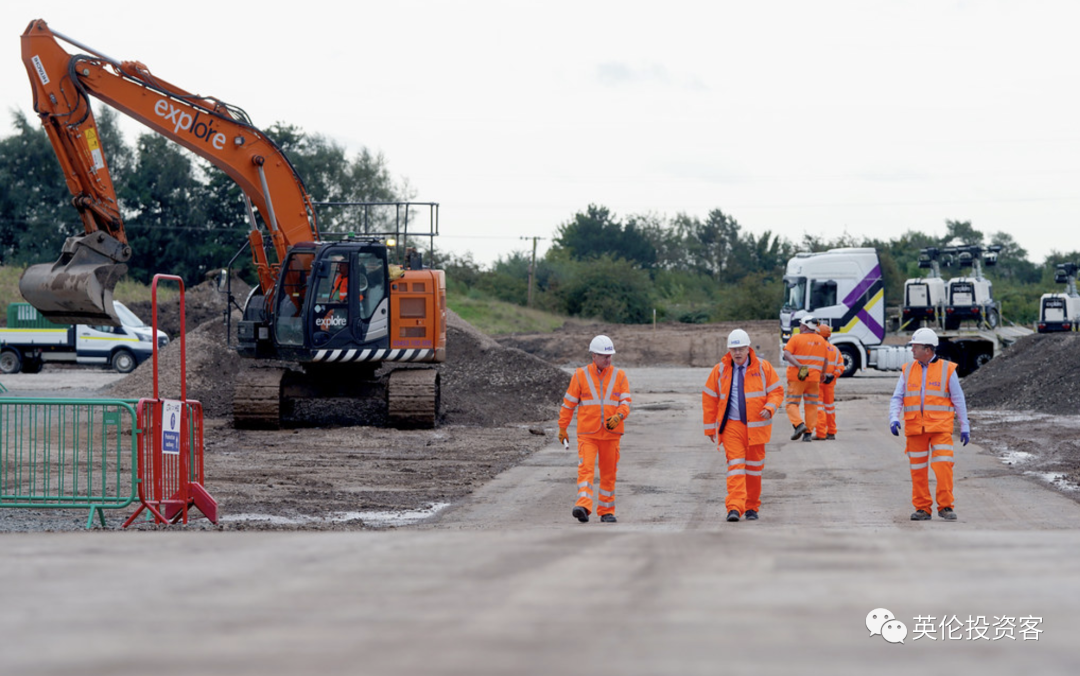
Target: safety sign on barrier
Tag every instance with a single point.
(170, 426)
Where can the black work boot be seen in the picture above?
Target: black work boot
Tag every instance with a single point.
(581, 514)
(921, 515)
(733, 515)
(608, 518)
(947, 513)
(830, 436)
(807, 437)
(798, 432)
(751, 515)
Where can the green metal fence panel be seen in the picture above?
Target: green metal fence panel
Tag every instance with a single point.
(68, 453)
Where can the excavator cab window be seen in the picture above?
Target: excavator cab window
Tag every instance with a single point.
(333, 286)
(292, 290)
(373, 268)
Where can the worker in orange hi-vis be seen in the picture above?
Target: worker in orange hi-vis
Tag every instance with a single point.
(834, 368)
(600, 394)
(928, 398)
(740, 398)
(805, 353)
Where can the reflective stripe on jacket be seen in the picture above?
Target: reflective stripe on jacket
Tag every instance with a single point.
(596, 397)
(809, 349)
(834, 363)
(933, 410)
(763, 390)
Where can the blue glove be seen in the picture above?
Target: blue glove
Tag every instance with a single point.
(895, 427)
(965, 438)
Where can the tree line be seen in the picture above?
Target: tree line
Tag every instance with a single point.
(696, 270)
(184, 216)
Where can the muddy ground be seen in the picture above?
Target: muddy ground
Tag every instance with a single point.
(501, 400)
(1025, 405)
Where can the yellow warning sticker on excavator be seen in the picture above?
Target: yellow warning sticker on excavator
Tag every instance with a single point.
(95, 149)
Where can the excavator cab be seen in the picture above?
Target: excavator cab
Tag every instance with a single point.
(350, 305)
(78, 287)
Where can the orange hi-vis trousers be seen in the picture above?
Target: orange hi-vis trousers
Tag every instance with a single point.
(745, 463)
(588, 450)
(806, 392)
(826, 415)
(931, 450)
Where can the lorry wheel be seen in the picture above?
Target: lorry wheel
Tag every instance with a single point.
(851, 360)
(32, 365)
(10, 361)
(992, 318)
(124, 362)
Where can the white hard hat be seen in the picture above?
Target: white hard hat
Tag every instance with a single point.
(809, 320)
(602, 345)
(924, 337)
(738, 338)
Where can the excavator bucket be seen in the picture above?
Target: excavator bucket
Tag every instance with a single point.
(78, 288)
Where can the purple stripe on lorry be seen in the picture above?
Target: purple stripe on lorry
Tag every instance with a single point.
(864, 285)
(875, 328)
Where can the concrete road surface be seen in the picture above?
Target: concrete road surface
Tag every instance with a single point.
(509, 583)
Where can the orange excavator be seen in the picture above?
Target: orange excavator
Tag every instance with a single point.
(325, 315)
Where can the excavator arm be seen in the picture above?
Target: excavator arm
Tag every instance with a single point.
(78, 287)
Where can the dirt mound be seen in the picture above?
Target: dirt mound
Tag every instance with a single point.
(483, 383)
(202, 303)
(699, 345)
(1038, 373)
(211, 370)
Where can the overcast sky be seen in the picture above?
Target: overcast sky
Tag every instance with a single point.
(865, 117)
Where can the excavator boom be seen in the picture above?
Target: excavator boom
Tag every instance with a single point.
(78, 287)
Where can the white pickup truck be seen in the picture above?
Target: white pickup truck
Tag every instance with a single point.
(30, 340)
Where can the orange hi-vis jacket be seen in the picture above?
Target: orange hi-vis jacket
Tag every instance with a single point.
(763, 390)
(935, 412)
(810, 350)
(596, 396)
(834, 362)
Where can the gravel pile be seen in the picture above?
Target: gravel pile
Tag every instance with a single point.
(1038, 373)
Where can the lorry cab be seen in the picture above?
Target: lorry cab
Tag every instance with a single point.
(842, 288)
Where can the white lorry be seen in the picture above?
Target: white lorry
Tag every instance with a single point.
(1060, 311)
(30, 340)
(844, 288)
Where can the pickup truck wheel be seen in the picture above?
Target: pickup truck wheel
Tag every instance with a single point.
(32, 365)
(10, 362)
(124, 362)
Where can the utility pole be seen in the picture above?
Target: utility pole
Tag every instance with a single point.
(532, 267)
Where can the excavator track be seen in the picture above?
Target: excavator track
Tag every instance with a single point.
(413, 398)
(257, 398)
